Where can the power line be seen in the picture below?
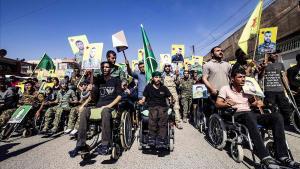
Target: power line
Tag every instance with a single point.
(30, 13)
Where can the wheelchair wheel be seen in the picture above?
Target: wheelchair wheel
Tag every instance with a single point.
(217, 131)
(270, 147)
(8, 130)
(237, 152)
(126, 130)
(295, 119)
(116, 152)
(27, 133)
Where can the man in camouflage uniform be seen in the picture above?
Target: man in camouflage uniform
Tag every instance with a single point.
(28, 98)
(116, 70)
(73, 123)
(170, 80)
(65, 96)
(186, 85)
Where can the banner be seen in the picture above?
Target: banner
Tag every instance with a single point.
(92, 56)
(200, 91)
(251, 87)
(19, 114)
(177, 52)
(141, 54)
(267, 40)
(78, 44)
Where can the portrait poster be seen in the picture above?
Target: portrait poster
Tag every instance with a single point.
(251, 87)
(134, 65)
(177, 53)
(141, 54)
(78, 44)
(197, 60)
(199, 91)
(188, 64)
(92, 56)
(164, 58)
(267, 40)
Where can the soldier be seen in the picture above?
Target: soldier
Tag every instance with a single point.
(65, 96)
(170, 81)
(73, 123)
(186, 85)
(28, 98)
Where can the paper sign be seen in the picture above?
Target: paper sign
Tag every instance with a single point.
(164, 59)
(92, 56)
(267, 40)
(197, 60)
(251, 87)
(119, 41)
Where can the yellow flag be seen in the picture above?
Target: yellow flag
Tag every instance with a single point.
(252, 27)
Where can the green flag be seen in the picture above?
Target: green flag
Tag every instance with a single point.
(46, 63)
(149, 58)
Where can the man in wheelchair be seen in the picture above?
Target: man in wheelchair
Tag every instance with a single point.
(234, 96)
(106, 94)
(155, 94)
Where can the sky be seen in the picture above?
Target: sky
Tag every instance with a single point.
(29, 28)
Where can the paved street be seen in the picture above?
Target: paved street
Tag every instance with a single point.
(192, 150)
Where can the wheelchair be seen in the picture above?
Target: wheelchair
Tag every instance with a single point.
(142, 135)
(122, 133)
(222, 128)
(20, 122)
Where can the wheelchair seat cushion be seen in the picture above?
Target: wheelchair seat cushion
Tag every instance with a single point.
(96, 113)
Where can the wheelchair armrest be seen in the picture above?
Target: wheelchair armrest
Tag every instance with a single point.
(227, 111)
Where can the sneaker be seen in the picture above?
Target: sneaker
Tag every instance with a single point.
(184, 120)
(73, 132)
(179, 126)
(79, 149)
(43, 132)
(67, 131)
(103, 149)
(53, 131)
(287, 162)
(269, 163)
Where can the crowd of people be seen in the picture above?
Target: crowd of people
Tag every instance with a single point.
(106, 87)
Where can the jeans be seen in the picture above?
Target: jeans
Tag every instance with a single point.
(273, 121)
(106, 118)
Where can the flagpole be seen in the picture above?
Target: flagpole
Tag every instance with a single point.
(257, 33)
(37, 65)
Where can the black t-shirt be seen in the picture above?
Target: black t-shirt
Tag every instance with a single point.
(156, 97)
(273, 77)
(106, 92)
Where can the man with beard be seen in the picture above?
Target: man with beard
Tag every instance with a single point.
(241, 62)
(156, 94)
(107, 94)
(65, 96)
(273, 72)
(140, 76)
(216, 72)
(186, 86)
(170, 81)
